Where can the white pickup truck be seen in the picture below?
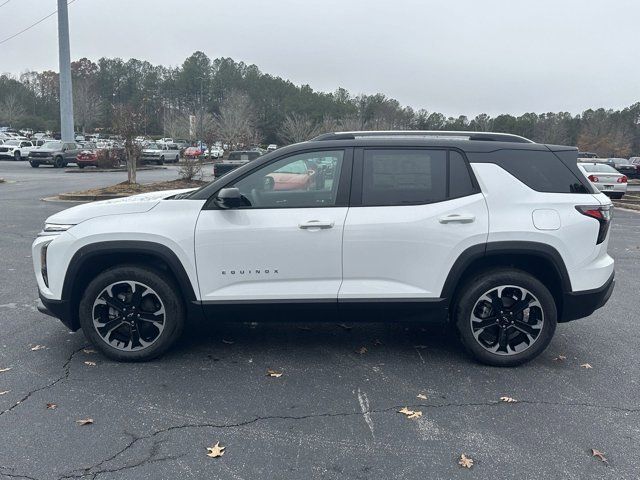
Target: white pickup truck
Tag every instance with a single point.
(16, 149)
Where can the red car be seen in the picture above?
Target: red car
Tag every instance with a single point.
(87, 157)
(193, 152)
(294, 176)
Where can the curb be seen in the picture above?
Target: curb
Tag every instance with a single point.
(110, 170)
(70, 197)
(627, 206)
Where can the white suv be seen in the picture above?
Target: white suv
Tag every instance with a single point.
(499, 235)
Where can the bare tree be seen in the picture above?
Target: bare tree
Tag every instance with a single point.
(327, 125)
(176, 123)
(87, 104)
(297, 128)
(127, 122)
(235, 123)
(11, 108)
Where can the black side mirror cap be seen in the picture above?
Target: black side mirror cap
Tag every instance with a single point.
(229, 198)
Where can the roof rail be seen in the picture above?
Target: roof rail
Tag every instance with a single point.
(442, 134)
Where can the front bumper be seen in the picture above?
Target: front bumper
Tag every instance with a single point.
(60, 309)
(581, 304)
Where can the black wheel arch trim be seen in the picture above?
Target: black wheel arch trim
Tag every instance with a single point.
(491, 249)
(93, 250)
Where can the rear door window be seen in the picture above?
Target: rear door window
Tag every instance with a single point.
(404, 177)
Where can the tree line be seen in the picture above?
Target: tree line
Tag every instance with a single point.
(231, 101)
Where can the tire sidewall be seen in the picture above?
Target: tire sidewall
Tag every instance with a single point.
(472, 291)
(163, 286)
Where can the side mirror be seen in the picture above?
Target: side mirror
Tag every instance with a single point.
(229, 198)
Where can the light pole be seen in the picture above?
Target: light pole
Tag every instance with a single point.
(66, 89)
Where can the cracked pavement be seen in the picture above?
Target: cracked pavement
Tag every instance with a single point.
(333, 413)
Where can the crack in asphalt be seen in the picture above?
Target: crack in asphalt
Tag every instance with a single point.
(97, 470)
(66, 367)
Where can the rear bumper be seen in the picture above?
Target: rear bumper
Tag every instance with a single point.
(60, 309)
(577, 305)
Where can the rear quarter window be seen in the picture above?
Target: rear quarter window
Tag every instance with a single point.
(539, 170)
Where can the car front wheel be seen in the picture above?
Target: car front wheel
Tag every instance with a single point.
(34, 164)
(58, 162)
(17, 156)
(132, 313)
(505, 317)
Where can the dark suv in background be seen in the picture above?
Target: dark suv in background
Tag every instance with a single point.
(55, 153)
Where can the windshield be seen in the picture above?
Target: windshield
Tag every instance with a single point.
(53, 145)
(153, 146)
(13, 142)
(600, 168)
(621, 161)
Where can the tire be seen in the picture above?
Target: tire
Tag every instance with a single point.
(159, 296)
(81, 165)
(16, 156)
(616, 196)
(34, 164)
(502, 342)
(177, 159)
(58, 162)
(161, 161)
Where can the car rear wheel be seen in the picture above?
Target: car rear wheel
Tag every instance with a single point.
(80, 165)
(161, 161)
(132, 313)
(17, 156)
(58, 162)
(505, 317)
(177, 159)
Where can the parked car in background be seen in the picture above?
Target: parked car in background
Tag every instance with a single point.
(159, 153)
(165, 140)
(236, 159)
(182, 144)
(589, 156)
(88, 156)
(622, 165)
(55, 153)
(295, 176)
(606, 178)
(193, 152)
(635, 161)
(16, 149)
(216, 152)
(271, 147)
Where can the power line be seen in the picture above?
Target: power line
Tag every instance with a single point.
(3, 4)
(32, 25)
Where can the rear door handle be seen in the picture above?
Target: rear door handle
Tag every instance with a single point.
(316, 224)
(457, 218)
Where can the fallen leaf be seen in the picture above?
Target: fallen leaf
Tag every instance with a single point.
(5, 392)
(88, 350)
(586, 365)
(422, 396)
(345, 326)
(361, 350)
(228, 342)
(85, 421)
(273, 373)
(37, 347)
(51, 406)
(215, 451)
(5, 369)
(412, 414)
(599, 455)
(508, 400)
(560, 357)
(91, 364)
(466, 462)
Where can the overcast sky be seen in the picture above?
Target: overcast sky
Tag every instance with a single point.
(452, 56)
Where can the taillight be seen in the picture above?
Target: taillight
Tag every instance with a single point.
(601, 213)
(622, 179)
(593, 178)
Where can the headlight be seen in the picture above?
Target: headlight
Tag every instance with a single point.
(54, 228)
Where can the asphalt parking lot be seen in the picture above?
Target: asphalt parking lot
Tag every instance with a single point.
(333, 414)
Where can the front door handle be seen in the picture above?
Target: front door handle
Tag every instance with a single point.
(457, 218)
(316, 224)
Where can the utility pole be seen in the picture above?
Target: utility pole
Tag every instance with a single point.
(66, 89)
